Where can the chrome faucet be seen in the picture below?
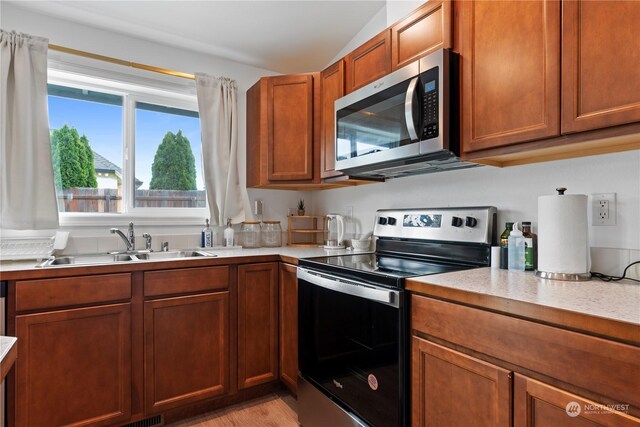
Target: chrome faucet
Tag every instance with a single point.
(147, 242)
(129, 241)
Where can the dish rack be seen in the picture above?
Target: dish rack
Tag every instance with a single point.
(26, 248)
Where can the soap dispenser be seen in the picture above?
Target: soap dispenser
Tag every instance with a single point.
(228, 234)
(516, 249)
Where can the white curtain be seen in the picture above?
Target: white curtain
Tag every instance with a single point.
(218, 109)
(27, 190)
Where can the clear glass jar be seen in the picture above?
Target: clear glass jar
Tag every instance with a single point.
(250, 234)
(271, 234)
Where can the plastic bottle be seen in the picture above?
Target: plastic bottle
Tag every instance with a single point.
(207, 236)
(504, 245)
(228, 234)
(530, 248)
(516, 249)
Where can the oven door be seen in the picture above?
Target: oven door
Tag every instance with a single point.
(352, 345)
(381, 121)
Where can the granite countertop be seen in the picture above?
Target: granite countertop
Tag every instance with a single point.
(6, 346)
(606, 306)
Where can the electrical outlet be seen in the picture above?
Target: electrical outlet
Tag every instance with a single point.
(603, 209)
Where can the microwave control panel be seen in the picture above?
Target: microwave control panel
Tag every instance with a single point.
(430, 102)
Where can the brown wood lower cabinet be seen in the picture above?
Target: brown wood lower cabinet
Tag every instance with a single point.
(74, 367)
(186, 346)
(289, 326)
(537, 404)
(453, 389)
(257, 324)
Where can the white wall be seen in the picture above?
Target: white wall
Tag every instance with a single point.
(393, 11)
(81, 37)
(514, 191)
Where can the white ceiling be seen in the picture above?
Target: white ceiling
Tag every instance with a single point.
(283, 36)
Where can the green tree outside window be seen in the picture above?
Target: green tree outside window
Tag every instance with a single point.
(174, 166)
(72, 159)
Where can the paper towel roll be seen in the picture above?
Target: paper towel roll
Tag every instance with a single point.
(563, 240)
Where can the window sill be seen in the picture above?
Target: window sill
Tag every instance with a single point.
(115, 219)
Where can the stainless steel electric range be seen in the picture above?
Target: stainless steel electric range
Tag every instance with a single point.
(353, 313)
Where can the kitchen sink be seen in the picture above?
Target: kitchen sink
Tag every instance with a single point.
(188, 253)
(122, 257)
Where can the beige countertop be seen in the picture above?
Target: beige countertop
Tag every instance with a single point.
(283, 251)
(609, 307)
(6, 345)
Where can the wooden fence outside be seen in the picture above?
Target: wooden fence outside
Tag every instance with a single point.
(110, 199)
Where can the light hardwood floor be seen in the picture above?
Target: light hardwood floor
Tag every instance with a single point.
(274, 410)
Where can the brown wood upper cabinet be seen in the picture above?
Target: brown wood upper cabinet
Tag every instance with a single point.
(331, 88)
(427, 29)
(257, 324)
(280, 130)
(510, 53)
(288, 326)
(452, 389)
(600, 64)
(368, 62)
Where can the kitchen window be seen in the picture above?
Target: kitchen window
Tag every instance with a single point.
(124, 148)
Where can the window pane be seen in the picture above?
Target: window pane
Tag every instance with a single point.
(168, 163)
(86, 148)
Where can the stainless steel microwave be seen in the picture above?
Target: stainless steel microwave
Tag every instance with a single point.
(402, 124)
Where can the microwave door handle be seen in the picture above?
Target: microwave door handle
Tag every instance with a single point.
(350, 287)
(408, 109)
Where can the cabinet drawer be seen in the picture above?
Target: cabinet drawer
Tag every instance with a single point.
(605, 367)
(67, 291)
(165, 282)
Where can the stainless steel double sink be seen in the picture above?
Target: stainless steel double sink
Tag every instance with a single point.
(110, 258)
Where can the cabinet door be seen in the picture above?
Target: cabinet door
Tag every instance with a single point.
(331, 88)
(74, 367)
(369, 62)
(289, 326)
(455, 390)
(510, 53)
(424, 31)
(186, 350)
(537, 404)
(257, 324)
(290, 127)
(600, 64)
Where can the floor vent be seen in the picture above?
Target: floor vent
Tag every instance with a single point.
(156, 421)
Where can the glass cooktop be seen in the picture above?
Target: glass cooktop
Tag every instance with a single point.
(389, 270)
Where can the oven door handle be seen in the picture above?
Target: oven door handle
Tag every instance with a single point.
(408, 109)
(350, 287)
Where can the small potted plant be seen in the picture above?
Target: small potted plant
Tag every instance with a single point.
(301, 207)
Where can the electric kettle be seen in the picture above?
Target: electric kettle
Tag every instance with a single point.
(335, 232)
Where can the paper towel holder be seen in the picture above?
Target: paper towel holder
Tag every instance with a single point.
(571, 277)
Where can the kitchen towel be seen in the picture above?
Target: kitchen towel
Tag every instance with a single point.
(563, 240)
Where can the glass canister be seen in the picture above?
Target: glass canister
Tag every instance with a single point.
(250, 234)
(271, 234)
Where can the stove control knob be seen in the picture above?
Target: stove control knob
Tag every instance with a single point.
(391, 221)
(471, 221)
(456, 221)
(382, 220)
